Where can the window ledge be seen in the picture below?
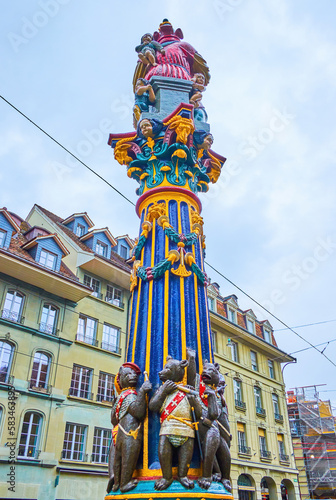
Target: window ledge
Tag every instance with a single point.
(96, 348)
(245, 455)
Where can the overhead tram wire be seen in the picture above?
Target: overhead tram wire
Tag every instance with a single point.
(131, 202)
(68, 151)
(308, 324)
(269, 312)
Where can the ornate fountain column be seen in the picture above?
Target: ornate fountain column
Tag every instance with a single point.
(170, 157)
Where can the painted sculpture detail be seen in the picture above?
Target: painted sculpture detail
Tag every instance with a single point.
(170, 156)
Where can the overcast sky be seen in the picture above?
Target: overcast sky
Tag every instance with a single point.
(270, 220)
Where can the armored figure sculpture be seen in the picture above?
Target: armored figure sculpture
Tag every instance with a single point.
(127, 414)
(177, 426)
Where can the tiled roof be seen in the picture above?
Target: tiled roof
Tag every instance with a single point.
(115, 258)
(16, 250)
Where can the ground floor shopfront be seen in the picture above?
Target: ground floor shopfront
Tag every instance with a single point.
(257, 483)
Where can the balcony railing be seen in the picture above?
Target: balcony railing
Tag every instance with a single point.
(95, 458)
(6, 379)
(12, 316)
(240, 405)
(31, 454)
(87, 340)
(102, 398)
(265, 454)
(110, 347)
(115, 302)
(278, 417)
(244, 449)
(76, 456)
(260, 411)
(40, 387)
(284, 458)
(80, 393)
(45, 328)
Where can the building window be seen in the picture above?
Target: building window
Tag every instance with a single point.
(3, 235)
(81, 381)
(242, 448)
(111, 338)
(211, 303)
(232, 316)
(271, 368)
(48, 259)
(254, 362)
(48, 319)
(87, 328)
(6, 357)
(282, 449)
(234, 351)
(262, 444)
(113, 296)
(93, 283)
(257, 397)
(250, 326)
(40, 371)
(80, 230)
(123, 251)
(214, 341)
(105, 387)
(101, 444)
(268, 336)
(276, 406)
(13, 306)
(237, 388)
(74, 442)
(101, 248)
(30, 435)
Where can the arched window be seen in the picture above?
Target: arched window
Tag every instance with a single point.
(6, 357)
(49, 319)
(30, 435)
(13, 306)
(40, 372)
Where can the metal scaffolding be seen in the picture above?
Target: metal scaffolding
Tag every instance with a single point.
(313, 432)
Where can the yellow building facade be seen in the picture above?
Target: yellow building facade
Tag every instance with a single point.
(263, 465)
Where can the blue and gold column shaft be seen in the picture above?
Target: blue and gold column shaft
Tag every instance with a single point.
(169, 308)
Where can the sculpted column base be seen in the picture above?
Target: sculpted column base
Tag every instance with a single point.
(145, 491)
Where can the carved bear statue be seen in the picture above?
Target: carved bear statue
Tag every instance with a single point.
(177, 427)
(128, 412)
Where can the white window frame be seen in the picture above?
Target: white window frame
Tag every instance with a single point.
(111, 295)
(101, 248)
(46, 325)
(211, 304)
(271, 369)
(5, 348)
(27, 446)
(250, 322)
(81, 389)
(83, 434)
(237, 390)
(108, 333)
(103, 436)
(268, 334)
(102, 394)
(123, 247)
(93, 283)
(257, 396)
(234, 351)
(40, 362)
(232, 315)
(44, 258)
(11, 314)
(82, 330)
(3, 236)
(276, 403)
(80, 230)
(254, 361)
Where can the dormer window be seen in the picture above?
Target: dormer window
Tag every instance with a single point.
(250, 325)
(232, 315)
(80, 230)
(2, 238)
(101, 248)
(211, 303)
(123, 251)
(267, 335)
(48, 259)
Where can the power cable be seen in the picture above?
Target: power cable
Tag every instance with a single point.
(308, 324)
(127, 199)
(268, 312)
(68, 151)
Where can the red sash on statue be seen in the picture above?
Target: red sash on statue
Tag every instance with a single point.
(122, 397)
(203, 396)
(172, 405)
